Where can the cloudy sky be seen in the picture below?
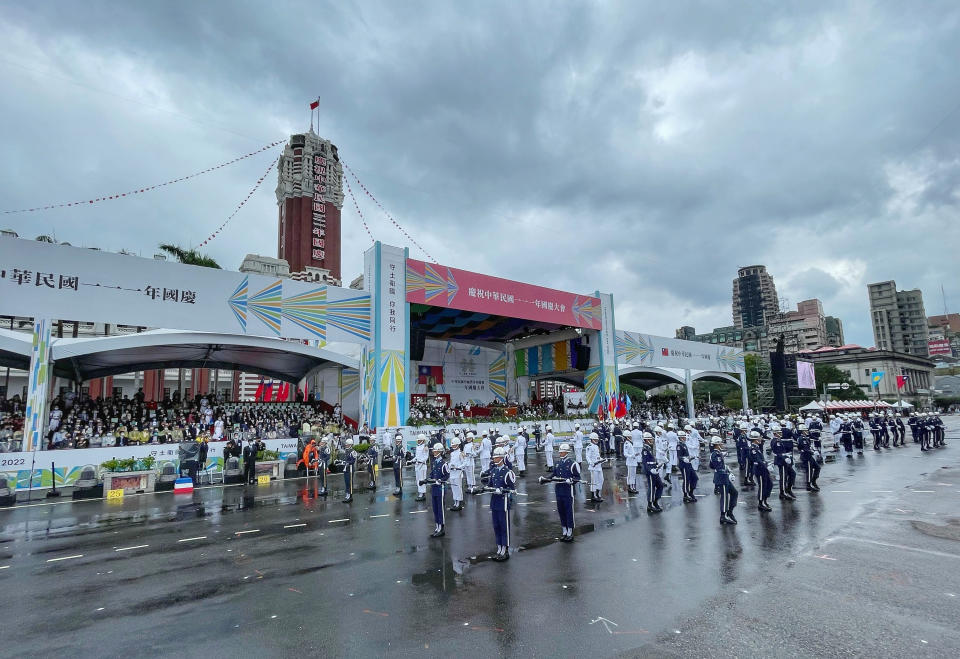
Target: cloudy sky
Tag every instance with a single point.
(645, 149)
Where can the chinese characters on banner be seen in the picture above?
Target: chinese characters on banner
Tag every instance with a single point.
(392, 303)
(319, 230)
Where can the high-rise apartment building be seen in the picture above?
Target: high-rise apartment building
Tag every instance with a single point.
(898, 318)
(310, 196)
(754, 297)
(834, 331)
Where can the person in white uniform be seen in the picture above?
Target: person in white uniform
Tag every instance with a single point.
(420, 466)
(661, 452)
(577, 444)
(630, 456)
(486, 450)
(672, 441)
(470, 461)
(520, 455)
(595, 465)
(456, 465)
(548, 448)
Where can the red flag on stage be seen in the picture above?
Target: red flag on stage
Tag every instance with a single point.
(622, 407)
(268, 391)
(613, 405)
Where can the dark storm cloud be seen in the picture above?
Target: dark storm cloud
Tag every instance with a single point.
(645, 149)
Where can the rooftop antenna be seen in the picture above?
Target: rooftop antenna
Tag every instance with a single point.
(944, 296)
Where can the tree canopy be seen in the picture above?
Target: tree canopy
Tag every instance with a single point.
(189, 256)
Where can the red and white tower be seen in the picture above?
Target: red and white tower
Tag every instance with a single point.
(310, 196)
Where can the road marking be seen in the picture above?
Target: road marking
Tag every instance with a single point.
(249, 531)
(199, 537)
(4, 567)
(293, 526)
(414, 512)
(881, 491)
(345, 519)
(64, 558)
(841, 491)
(134, 547)
(376, 516)
(894, 546)
(826, 558)
(923, 491)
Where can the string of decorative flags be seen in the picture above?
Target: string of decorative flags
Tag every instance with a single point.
(130, 193)
(380, 206)
(241, 204)
(357, 206)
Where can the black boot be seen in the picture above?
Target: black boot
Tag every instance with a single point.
(730, 518)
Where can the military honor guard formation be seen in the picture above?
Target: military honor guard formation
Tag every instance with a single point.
(656, 450)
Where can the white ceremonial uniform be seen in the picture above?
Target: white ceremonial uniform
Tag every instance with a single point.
(595, 467)
(485, 448)
(455, 465)
(636, 436)
(548, 449)
(631, 459)
(660, 452)
(578, 446)
(693, 448)
(672, 441)
(420, 466)
(519, 450)
(470, 462)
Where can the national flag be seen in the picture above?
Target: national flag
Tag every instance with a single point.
(629, 404)
(602, 408)
(424, 373)
(622, 407)
(268, 391)
(283, 389)
(876, 377)
(315, 104)
(613, 405)
(902, 381)
(259, 394)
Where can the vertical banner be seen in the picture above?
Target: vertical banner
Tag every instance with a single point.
(385, 266)
(601, 378)
(806, 378)
(38, 384)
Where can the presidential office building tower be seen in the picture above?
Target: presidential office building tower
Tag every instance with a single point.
(310, 197)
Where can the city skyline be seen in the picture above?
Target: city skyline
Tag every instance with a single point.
(691, 158)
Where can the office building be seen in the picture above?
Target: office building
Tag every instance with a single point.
(898, 319)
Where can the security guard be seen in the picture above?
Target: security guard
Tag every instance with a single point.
(399, 459)
(783, 459)
(595, 465)
(502, 481)
(760, 471)
(722, 480)
(810, 460)
(349, 464)
(630, 455)
(420, 466)
(688, 475)
(456, 474)
(651, 469)
(566, 474)
(439, 475)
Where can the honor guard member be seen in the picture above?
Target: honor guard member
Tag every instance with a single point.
(688, 474)
(595, 465)
(438, 477)
(875, 431)
(372, 456)
(810, 460)
(914, 427)
(566, 475)
(857, 429)
(399, 459)
(636, 436)
(925, 439)
(651, 469)
(618, 440)
(520, 454)
(694, 441)
(760, 471)
(536, 436)
(940, 433)
(420, 458)
(630, 455)
(783, 459)
(548, 448)
(901, 429)
(672, 441)
(723, 481)
(815, 426)
(846, 437)
(885, 431)
(752, 436)
(485, 454)
(323, 459)
(577, 444)
(661, 453)
(502, 482)
(504, 442)
(470, 447)
(743, 456)
(456, 474)
(349, 464)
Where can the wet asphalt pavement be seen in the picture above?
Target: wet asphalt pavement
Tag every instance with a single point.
(870, 566)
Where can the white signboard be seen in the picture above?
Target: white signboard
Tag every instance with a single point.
(392, 298)
(464, 372)
(42, 280)
(659, 351)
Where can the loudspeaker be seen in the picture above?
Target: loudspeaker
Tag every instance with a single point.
(418, 342)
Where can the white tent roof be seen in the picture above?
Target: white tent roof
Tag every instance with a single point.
(812, 405)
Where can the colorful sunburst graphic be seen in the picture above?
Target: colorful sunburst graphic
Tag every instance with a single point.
(730, 359)
(267, 305)
(498, 377)
(593, 378)
(632, 348)
(434, 283)
(349, 382)
(390, 377)
(585, 310)
(238, 303)
(369, 378)
(352, 315)
(415, 281)
(309, 311)
(452, 287)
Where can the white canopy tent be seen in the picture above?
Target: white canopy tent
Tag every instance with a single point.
(812, 406)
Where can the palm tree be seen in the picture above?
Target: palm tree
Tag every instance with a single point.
(190, 256)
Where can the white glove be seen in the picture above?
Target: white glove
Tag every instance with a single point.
(569, 481)
(498, 491)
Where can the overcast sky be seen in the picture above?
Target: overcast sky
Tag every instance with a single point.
(646, 149)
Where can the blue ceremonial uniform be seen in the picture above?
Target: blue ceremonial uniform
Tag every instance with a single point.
(371, 465)
(857, 429)
(810, 461)
(349, 464)
(846, 437)
(688, 474)
(398, 462)
(723, 481)
(568, 470)
(654, 483)
(323, 459)
(438, 472)
(816, 429)
(762, 474)
(743, 456)
(783, 459)
(914, 429)
(501, 478)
